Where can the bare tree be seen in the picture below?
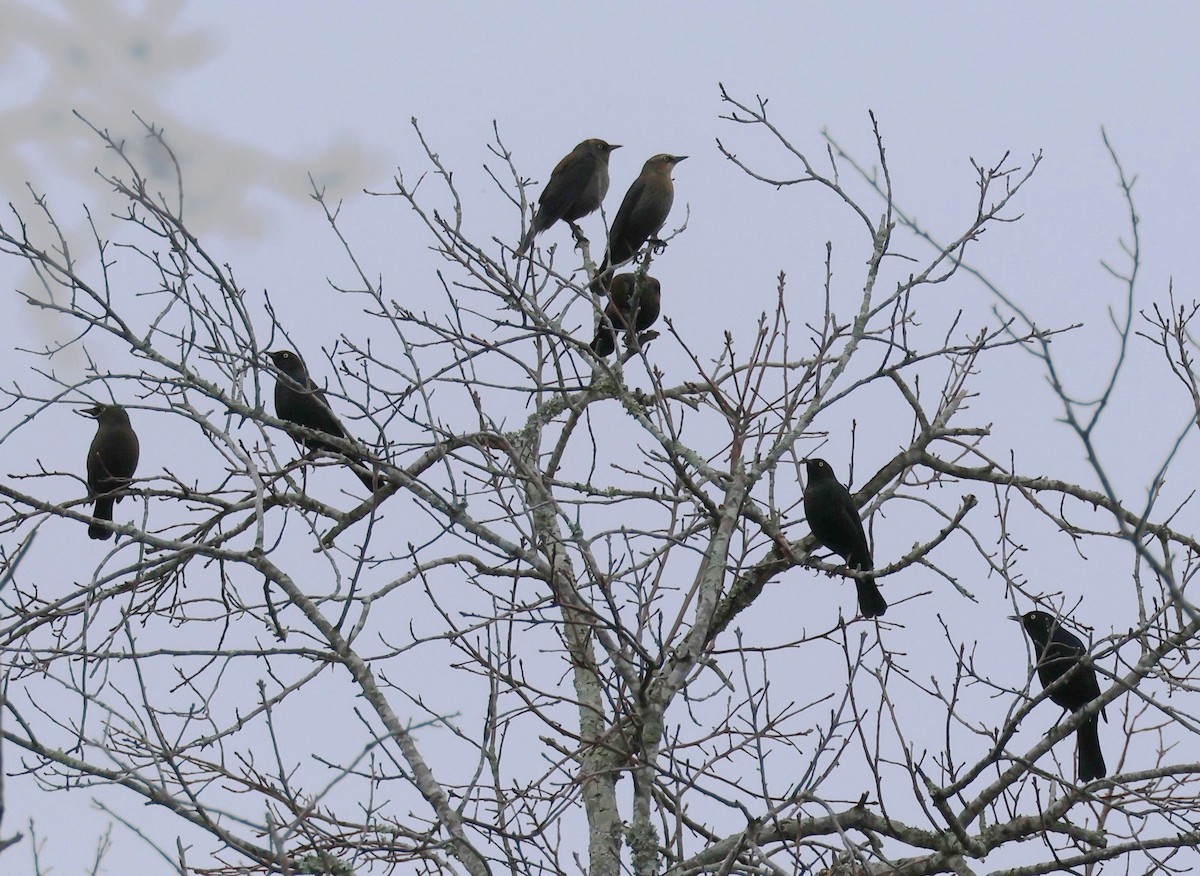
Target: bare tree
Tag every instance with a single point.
(544, 644)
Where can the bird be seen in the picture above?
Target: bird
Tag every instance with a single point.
(1059, 654)
(642, 213)
(577, 187)
(620, 311)
(836, 526)
(111, 461)
(298, 400)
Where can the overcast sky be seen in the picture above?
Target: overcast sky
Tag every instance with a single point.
(255, 96)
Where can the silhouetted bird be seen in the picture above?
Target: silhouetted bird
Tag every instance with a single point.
(1058, 654)
(620, 310)
(112, 459)
(577, 186)
(642, 213)
(835, 523)
(298, 400)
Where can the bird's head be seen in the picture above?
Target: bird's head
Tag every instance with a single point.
(818, 470)
(287, 361)
(662, 163)
(105, 413)
(599, 147)
(1038, 624)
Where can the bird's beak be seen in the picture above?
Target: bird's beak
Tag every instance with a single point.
(92, 412)
(1015, 617)
(675, 159)
(614, 146)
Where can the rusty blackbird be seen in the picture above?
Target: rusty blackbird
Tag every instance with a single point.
(642, 213)
(620, 311)
(577, 187)
(298, 400)
(836, 525)
(1058, 655)
(111, 461)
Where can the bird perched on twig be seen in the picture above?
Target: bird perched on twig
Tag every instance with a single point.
(629, 303)
(576, 187)
(298, 400)
(836, 525)
(1059, 655)
(642, 213)
(111, 461)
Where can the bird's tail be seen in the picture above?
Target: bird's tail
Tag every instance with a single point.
(870, 601)
(367, 475)
(527, 241)
(603, 278)
(102, 511)
(1091, 759)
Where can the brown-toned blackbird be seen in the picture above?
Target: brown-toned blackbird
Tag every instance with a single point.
(577, 187)
(835, 523)
(642, 213)
(298, 400)
(111, 461)
(620, 311)
(1059, 653)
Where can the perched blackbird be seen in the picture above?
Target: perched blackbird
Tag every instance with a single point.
(577, 187)
(620, 310)
(111, 461)
(298, 400)
(642, 213)
(1058, 654)
(835, 523)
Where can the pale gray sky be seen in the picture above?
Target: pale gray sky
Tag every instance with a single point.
(255, 96)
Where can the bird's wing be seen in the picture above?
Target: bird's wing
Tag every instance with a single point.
(569, 178)
(626, 210)
(332, 424)
(1067, 641)
(1063, 656)
(1059, 655)
(304, 403)
(847, 512)
(649, 307)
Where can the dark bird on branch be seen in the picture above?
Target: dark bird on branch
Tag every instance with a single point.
(836, 526)
(629, 303)
(111, 461)
(1059, 656)
(577, 187)
(298, 400)
(642, 213)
